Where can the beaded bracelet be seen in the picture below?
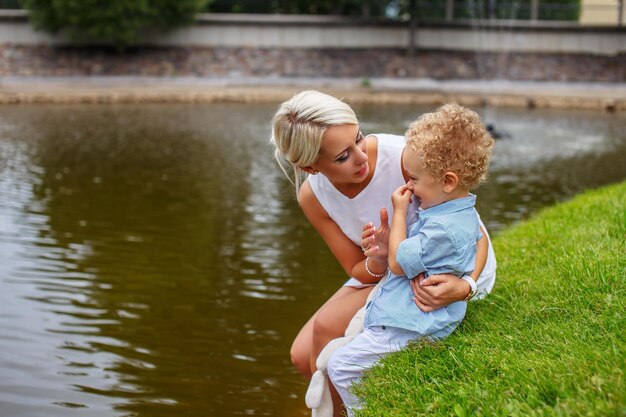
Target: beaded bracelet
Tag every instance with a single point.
(367, 268)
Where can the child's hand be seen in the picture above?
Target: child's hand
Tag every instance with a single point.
(401, 198)
(375, 242)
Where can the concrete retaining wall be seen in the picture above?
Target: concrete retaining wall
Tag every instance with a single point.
(275, 31)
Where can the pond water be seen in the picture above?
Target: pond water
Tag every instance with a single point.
(154, 262)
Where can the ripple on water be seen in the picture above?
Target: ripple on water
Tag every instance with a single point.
(69, 405)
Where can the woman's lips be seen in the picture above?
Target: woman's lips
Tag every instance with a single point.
(362, 171)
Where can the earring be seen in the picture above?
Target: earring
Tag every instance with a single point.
(315, 172)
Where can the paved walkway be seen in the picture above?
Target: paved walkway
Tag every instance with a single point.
(611, 96)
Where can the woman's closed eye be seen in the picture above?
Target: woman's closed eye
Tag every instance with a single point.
(344, 156)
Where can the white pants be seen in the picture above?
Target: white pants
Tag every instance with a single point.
(346, 364)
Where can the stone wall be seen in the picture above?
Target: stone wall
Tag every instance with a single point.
(47, 60)
(235, 46)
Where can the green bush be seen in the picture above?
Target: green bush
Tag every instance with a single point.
(559, 10)
(115, 22)
(375, 8)
(10, 4)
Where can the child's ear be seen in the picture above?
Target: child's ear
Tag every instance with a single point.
(450, 181)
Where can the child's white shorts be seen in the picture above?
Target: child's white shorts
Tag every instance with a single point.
(346, 364)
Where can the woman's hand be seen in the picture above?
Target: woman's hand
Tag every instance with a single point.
(375, 242)
(438, 291)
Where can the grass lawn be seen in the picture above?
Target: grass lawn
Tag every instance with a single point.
(548, 341)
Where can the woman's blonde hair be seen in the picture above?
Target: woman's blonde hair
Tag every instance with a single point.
(453, 138)
(298, 127)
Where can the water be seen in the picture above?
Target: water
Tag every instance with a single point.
(153, 261)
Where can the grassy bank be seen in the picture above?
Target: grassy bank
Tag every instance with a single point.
(548, 341)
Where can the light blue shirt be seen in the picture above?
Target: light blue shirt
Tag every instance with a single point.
(442, 240)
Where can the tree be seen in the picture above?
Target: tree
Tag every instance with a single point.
(116, 22)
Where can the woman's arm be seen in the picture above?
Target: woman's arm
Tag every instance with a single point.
(482, 249)
(349, 255)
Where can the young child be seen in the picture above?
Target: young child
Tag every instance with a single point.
(447, 154)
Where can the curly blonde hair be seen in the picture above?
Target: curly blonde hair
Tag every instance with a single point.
(453, 138)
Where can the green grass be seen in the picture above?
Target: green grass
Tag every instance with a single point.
(548, 341)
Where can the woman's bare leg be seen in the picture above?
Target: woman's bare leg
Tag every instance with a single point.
(339, 409)
(301, 349)
(302, 346)
(332, 319)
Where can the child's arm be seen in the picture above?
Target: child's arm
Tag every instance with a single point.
(401, 198)
(441, 290)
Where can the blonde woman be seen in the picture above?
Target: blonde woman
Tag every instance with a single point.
(343, 182)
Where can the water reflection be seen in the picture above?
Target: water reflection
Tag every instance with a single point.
(153, 260)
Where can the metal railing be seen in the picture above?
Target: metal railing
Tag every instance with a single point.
(608, 12)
